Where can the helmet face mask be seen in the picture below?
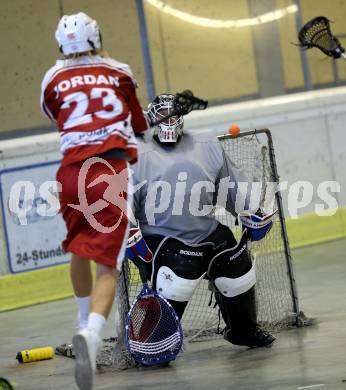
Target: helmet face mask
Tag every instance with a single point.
(169, 131)
(78, 34)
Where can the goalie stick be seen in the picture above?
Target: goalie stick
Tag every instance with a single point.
(153, 333)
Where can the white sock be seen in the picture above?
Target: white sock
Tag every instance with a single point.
(83, 304)
(96, 322)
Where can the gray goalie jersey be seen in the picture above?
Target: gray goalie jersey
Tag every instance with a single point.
(177, 188)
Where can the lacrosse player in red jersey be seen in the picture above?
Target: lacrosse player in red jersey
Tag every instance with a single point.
(92, 100)
(183, 177)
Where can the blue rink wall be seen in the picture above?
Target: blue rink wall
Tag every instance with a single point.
(309, 139)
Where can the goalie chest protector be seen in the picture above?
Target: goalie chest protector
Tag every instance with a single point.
(178, 196)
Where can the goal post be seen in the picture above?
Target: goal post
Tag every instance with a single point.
(276, 293)
(272, 172)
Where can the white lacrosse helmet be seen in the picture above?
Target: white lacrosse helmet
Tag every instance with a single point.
(170, 130)
(78, 34)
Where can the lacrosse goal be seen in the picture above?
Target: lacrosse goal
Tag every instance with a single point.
(276, 297)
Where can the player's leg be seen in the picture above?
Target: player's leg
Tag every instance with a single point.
(88, 340)
(103, 293)
(81, 277)
(233, 278)
(177, 269)
(97, 240)
(243, 330)
(98, 299)
(153, 241)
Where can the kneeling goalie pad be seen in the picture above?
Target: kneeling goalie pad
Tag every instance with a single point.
(178, 267)
(231, 271)
(257, 226)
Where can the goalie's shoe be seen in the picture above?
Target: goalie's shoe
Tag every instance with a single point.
(257, 338)
(86, 347)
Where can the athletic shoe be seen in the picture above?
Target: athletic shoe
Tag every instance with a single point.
(256, 338)
(86, 346)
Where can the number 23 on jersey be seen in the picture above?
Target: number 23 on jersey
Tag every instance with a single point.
(100, 103)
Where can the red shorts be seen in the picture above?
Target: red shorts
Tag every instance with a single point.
(93, 203)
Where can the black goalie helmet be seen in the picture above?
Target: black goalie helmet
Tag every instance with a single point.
(170, 130)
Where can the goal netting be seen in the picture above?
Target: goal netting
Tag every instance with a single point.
(276, 298)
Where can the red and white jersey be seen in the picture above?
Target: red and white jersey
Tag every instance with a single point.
(93, 102)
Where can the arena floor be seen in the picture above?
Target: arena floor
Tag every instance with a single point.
(306, 358)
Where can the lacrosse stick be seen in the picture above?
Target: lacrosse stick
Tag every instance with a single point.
(316, 33)
(184, 103)
(153, 332)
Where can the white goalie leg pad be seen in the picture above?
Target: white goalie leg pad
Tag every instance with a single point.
(172, 286)
(229, 287)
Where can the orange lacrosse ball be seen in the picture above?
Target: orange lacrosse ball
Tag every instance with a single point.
(234, 130)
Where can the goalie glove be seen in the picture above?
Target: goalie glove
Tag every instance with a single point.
(137, 247)
(257, 225)
(185, 102)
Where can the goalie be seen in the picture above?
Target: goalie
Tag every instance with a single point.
(181, 177)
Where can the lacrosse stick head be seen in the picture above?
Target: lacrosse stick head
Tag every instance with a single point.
(170, 130)
(153, 332)
(316, 33)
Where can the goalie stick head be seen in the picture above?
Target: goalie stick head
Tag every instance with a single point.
(317, 33)
(170, 131)
(78, 34)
